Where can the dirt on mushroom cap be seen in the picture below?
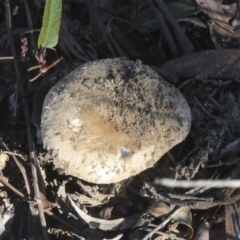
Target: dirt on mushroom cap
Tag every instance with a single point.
(111, 119)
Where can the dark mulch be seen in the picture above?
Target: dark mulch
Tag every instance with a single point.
(107, 29)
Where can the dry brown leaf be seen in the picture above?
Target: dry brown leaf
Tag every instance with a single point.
(215, 64)
(105, 225)
(229, 228)
(160, 209)
(221, 32)
(45, 203)
(222, 38)
(215, 13)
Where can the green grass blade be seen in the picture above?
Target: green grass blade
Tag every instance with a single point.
(51, 24)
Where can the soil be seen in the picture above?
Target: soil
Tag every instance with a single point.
(130, 209)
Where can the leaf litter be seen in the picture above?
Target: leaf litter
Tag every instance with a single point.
(135, 208)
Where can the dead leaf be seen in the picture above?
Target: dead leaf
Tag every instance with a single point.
(45, 203)
(119, 236)
(229, 227)
(194, 20)
(231, 149)
(160, 209)
(106, 212)
(215, 13)
(203, 231)
(221, 32)
(15, 10)
(3, 160)
(105, 225)
(216, 64)
(222, 38)
(6, 223)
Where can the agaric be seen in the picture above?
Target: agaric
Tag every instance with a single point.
(111, 119)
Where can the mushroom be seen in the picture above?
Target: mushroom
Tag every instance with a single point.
(110, 119)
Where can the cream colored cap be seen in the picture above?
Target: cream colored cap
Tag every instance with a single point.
(111, 119)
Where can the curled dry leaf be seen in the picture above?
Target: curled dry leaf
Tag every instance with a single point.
(216, 64)
(194, 20)
(105, 225)
(119, 236)
(45, 203)
(160, 209)
(83, 199)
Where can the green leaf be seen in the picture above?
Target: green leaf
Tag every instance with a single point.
(179, 9)
(51, 24)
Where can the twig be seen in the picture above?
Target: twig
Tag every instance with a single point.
(30, 26)
(163, 224)
(169, 236)
(199, 183)
(175, 202)
(6, 58)
(189, 197)
(203, 108)
(7, 184)
(30, 142)
(33, 164)
(14, 154)
(12, 46)
(21, 168)
(47, 211)
(43, 68)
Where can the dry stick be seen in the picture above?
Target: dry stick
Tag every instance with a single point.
(21, 168)
(6, 58)
(163, 224)
(182, 40)
(10, 40)
(13, 153)
(7, 184)
(30, 26)
(167, 182)
(166, 32)
(47, 211)
(95, 15)
(30, 142)
(33, 163)
(163, 234)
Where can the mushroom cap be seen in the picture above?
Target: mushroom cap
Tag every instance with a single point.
(110, 119)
